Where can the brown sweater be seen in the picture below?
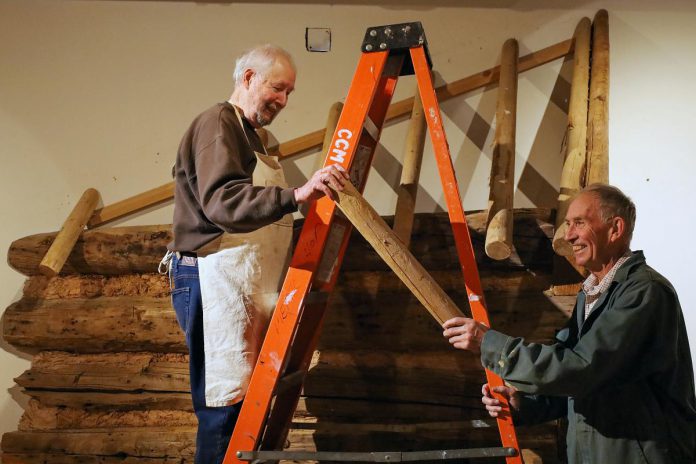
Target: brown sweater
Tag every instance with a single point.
(213, 173)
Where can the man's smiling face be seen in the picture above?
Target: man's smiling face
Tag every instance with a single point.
(588, 233)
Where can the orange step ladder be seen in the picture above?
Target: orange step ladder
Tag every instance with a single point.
(276, 383)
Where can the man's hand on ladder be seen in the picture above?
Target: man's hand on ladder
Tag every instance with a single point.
(322, 183)
(493, 405)
(464, 333)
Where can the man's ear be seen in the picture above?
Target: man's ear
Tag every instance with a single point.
(617, 229)
(248, 75)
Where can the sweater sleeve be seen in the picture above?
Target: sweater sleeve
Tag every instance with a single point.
(224, 168)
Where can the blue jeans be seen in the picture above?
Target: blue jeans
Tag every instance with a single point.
(215, 425)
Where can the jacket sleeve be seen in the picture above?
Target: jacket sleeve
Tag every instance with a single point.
(629, 340)
(225, 189)
(537, 409)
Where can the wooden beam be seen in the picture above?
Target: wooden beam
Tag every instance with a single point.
(60, 249)
(314, 139)
(573, 174)
(396, 255)
(410, 173)
(598, 117)
(502, 183)
(132, 205)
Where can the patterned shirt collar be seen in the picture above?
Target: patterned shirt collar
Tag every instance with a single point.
(594, 289)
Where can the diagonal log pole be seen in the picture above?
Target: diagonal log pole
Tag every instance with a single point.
(410, 173)
(502, 187)
(60, 249)
(598, 117)
(573, 173)
(396, 255)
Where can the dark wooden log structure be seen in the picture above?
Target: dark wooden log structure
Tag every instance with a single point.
(109, 380)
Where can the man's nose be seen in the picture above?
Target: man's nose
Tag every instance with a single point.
(282, 99)
(569, 233)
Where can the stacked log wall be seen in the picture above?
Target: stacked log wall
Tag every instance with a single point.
(109, 379)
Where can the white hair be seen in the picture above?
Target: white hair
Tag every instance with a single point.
(260, 59)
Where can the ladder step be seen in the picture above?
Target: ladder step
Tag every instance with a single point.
(376, 456)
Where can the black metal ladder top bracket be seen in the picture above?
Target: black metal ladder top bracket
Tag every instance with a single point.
(398, 39)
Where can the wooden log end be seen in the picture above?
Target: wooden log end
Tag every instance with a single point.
(47, 270)
(601, 15)
(511, 45)
(499, 235)
(498, 250)
(583, 26)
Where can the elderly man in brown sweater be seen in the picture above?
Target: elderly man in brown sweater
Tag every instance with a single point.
(232, 237)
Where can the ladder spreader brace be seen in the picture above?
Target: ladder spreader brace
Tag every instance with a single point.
(387, 53)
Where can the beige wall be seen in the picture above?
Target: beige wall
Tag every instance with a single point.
(98, 93)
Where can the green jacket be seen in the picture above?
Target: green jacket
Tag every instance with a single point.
(623, 377)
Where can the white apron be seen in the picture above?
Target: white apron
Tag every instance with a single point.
(240, 277)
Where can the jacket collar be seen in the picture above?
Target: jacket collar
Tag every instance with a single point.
(636, 259)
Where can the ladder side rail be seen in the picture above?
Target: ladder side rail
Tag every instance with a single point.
(274, 351)
(309, 328)
(460, 231)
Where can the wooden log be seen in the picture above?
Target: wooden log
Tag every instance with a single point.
(314, 139)
(122, 401)
(134, 204)
(139, 249)
(573, 173)
(39, 417)
(371, 282)
(148, 442)
(410, 173)
(118, 323)
(92, 286)
(43, 458)
(60, 249)
(396, 255)
(312, 412)
(178, 442)
(331, 123)
(108, 372)
(118, 250)
(598, 115)
(383, 318)
(502, 184)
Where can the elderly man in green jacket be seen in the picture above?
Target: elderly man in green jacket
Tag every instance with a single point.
(620, 370)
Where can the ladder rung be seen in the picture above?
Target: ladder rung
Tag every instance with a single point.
(376, 456)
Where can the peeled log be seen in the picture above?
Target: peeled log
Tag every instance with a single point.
(573, 173)
(396, 255)
(598, 114)
(410, 173)
(501, 199)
